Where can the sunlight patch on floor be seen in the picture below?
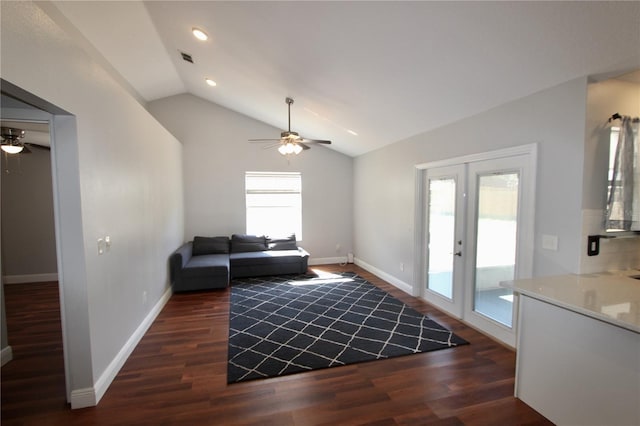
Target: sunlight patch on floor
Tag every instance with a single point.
(323, 277)
(507, 297)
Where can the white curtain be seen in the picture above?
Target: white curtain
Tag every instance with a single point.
(623, 204)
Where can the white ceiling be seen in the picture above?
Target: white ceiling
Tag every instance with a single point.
(386, 70)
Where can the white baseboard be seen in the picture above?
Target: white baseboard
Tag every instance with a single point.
(327, 260)
(29, 278)
(6, 355)
(91, 396)
(407, 288)
(82, 398)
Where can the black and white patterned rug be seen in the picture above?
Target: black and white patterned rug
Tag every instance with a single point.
(289, 324)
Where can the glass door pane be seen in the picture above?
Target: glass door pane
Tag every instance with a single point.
(442, 205)
(497, 224)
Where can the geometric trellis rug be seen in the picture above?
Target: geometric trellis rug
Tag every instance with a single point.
(289, 324)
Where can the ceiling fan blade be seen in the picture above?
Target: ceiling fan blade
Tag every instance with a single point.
(272, 145)
(263, 140)
(315, 141)
(304, 146)
(35, 145)
(25, 149)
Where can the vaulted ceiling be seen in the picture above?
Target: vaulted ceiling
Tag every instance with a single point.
(383, 70)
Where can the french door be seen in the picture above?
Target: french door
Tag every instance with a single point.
(445, 190)
(477, 232)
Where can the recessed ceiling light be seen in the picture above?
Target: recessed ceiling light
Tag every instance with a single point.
(199, 34)
(210, 82)
(352, 132)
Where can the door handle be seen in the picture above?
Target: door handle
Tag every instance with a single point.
(458, 253)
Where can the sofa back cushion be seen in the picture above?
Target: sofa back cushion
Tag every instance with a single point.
(286, 243)
(210, 245)
(246, 243)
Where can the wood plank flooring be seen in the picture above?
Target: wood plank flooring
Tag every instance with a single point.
(177, 375)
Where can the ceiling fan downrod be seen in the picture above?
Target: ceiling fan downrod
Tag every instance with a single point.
(289, 101)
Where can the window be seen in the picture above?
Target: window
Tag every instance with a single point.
(274, 203)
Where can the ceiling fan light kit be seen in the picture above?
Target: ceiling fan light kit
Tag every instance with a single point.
(290, 148)
(12, 149)
(291, 143)
(11, 140)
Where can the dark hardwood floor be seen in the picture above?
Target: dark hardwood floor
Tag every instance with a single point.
(177, 375)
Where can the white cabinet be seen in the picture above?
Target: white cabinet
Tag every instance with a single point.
(576, 370)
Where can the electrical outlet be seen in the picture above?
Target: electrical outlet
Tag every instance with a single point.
(338, 247)
(101, 246)
(402, 266)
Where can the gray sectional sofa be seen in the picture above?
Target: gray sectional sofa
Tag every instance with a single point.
(211, 262)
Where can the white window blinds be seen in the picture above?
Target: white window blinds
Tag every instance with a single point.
(274, 203)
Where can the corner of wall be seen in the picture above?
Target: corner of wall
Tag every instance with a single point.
(6, 355)
(406, 287)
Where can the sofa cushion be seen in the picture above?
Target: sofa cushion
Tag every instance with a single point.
(241, 243)
(266, 257)
(207, 265)
(287, 243)
(210, 245)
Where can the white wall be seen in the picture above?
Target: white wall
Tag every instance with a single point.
(605, 98)
(118, 173)
(28, 236)
(554, 119)
(216, 156)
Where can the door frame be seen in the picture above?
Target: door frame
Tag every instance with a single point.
(525, 238)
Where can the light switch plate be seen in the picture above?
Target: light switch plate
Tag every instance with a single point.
(550, 242)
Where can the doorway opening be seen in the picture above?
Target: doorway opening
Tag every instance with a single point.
(69, 246)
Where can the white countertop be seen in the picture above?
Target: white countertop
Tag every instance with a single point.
(613, 297)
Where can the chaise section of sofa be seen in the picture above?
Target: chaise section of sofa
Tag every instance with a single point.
(200, 264)
(210, 262)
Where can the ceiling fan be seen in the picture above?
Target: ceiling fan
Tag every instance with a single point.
(290, 142)
(12, 142)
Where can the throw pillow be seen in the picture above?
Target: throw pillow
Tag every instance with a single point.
(210, 245)
(241, 243)
(287, 243)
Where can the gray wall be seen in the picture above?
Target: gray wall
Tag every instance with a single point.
(117, 172)
(554, 119)
(28, 234)
(216, 156)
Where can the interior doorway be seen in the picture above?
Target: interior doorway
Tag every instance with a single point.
(31, 293)
(476, 230)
